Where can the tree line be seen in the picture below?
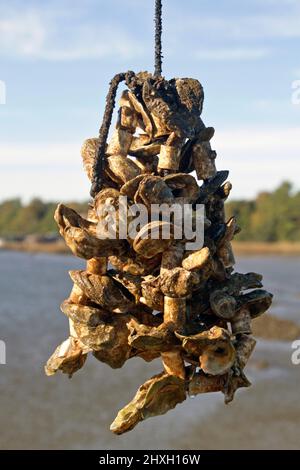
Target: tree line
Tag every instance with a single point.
(271, 216)
(36, 217)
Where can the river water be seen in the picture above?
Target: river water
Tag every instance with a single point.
(38, 412)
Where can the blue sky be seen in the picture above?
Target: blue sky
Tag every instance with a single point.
(57, 57)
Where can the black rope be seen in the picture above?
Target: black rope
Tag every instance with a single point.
(99, 178)
(158, 33)
(99, 163)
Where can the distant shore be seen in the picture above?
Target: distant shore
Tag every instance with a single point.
(240, 248)
(263, 248)
(58, 247)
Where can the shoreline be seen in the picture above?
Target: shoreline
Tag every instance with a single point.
(266, 249)
(240, 248)
(57, 248)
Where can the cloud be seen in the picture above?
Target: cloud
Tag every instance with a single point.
(229, 54)
(278, 2)
(50, 184)
(40, 34)
(120, 45)
(76, 33)
(48, 153)
(24, 35)
(258, 26)
(273, 142)
(258, 159)
(272, 105)
(49, 170)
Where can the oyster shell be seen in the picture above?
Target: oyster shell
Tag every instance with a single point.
(152, 295)
(204, 160)
(80, 235)
(244, 347)
(153, 190)
(257, 302)
(197, 259)
(159, 339)
(121, 169)
(103, 291)
(174, 312)
(178, 282)
(88, 153)
(183, 186)
(135, 264)
(173, 363)
(222, 304)
(120, 142)
(130, 188)
(155, 397)
(161, 238)
(68, 357)
(214, 348)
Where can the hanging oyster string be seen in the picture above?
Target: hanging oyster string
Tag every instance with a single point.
(152, 297)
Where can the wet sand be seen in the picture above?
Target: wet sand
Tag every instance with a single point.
(76, 414)
(272, 328)
(264, 416)
(39, 412)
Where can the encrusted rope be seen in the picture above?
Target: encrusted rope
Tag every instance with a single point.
(99, 164)
(158, 42)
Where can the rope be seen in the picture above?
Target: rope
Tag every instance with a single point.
(99, 164)
(158, 42)
(99, 179)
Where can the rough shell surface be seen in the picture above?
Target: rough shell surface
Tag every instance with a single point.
(155, 397)
(188, 308)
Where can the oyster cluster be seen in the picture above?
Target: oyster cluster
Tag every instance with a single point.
(149, 297)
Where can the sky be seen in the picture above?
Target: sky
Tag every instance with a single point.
(57, 57)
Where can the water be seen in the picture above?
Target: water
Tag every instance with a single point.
(57, 413)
